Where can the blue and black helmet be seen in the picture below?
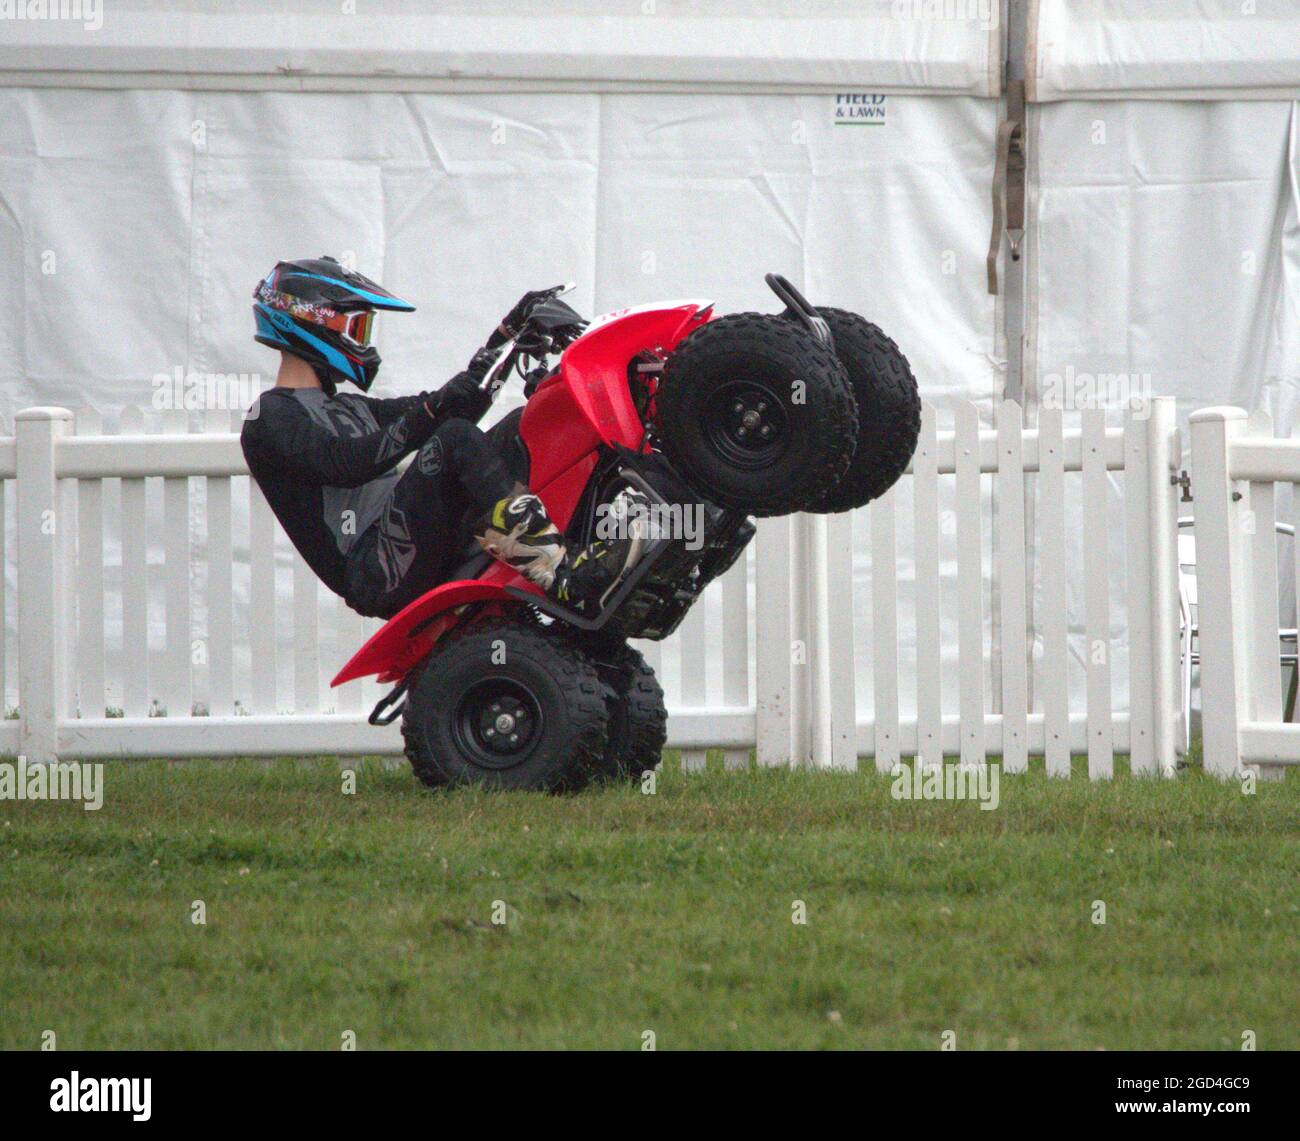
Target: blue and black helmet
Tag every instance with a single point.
(324, 314)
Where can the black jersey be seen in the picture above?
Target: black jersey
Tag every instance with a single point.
(325, 464)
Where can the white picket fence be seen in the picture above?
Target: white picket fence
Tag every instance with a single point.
(811, 713)
(1236, 466)
(139, 586)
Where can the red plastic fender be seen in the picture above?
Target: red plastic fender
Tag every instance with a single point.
(406, 637)
(587, 403)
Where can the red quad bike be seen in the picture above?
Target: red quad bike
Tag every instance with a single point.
(743, 415)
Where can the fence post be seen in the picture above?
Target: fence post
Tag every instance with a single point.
(42, 640)
(1222, 592)
(1162, 499)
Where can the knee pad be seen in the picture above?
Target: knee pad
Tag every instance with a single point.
(454, 437)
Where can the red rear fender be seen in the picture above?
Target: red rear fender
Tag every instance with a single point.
(588, 403)
(406, 637)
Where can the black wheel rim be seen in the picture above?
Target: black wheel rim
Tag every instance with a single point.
(497, 723)
(745, 423)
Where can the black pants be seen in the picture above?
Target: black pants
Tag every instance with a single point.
(459, 474)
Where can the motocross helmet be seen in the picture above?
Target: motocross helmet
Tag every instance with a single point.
(324, 314)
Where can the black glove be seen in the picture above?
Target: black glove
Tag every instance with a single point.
(461, 396)
(513, 321)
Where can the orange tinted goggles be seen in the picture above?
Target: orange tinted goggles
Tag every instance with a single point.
(355, 326)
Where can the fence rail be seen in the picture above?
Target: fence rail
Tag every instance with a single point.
(155, 593)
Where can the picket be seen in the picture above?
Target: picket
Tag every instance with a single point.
(348, 635)
(970, 585)
(694, 654)
(735, 633)
(841, 638)
(1096, 582)
(1054, 594)
(1011, 580)
(1140, 571)
(884, 624)
(802, 620)
(803, 646)
(221, 598)
(773, 648)
(306, 618)
(176, 689)
(261, 602)
(90, 582)
(815, 619)
(65, 622)
(135, 583)
(929, 649)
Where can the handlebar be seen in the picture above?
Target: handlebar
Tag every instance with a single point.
(510, 352)
(499, 373)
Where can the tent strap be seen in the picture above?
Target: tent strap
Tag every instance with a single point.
(1008, 182)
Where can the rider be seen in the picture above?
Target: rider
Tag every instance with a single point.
(325, 460)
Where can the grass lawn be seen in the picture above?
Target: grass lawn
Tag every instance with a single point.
(670, 913)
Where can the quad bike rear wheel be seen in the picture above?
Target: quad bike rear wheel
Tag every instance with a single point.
(756, 414)
(889, 411)
(502, 704)
(638, 719)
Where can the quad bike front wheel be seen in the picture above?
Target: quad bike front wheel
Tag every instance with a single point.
(638, 720)
(500, 704)
(756, 414)
(889, 411)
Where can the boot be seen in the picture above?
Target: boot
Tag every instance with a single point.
(518, 531)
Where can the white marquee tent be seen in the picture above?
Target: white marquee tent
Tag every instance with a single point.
(154, 166)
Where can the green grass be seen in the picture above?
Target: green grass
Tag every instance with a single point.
(626, 912)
